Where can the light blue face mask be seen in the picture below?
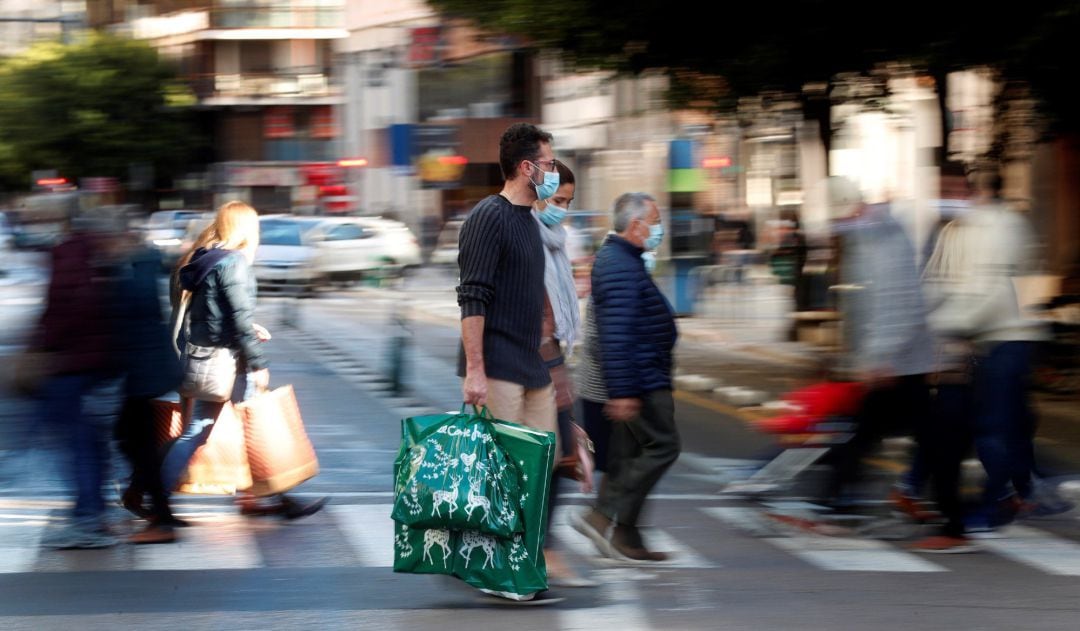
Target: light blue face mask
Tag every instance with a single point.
(552, 215)
(656, 235)
(650, 261)
(550, 185)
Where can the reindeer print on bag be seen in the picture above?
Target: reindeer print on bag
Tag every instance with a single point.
(476, 500)
(446, 497)
(471, 539)
(437, 537)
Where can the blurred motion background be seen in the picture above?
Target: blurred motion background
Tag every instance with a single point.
(363, 132)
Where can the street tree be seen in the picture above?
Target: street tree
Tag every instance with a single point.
(717, 53)
(92, 108)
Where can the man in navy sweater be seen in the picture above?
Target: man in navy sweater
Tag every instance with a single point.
(636, 336)
(501, 290)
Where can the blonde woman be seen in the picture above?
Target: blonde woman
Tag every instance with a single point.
(218, 279)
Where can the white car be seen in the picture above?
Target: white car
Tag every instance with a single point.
(309, 251)
(166, 230)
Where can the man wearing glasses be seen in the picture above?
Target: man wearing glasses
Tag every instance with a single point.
(501, 290)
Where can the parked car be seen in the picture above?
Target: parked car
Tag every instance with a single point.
(168, 230)
(311, 251)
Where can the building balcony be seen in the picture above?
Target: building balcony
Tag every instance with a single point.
(241, 23)
(277, 17)
(315, 88)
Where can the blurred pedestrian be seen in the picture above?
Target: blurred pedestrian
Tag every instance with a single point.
(150, 369)
(217, 282)
(888, 339)
(984, 308)
(939, 457)
(81, 395)
(636, 335)
(561, 325)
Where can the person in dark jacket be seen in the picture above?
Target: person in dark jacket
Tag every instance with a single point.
(150, 369)
(80, 397)
(636, 336)
(217, 281)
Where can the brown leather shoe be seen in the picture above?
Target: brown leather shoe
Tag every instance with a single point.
(626, 541)
(153, 534)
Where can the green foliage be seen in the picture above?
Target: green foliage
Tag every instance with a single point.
(90, 109)
(781, 46)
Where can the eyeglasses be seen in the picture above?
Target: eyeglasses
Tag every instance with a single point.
(541, 163)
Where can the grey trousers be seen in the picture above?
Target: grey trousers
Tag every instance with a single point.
(641, 451)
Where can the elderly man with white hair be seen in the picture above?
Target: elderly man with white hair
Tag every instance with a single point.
(632, 352)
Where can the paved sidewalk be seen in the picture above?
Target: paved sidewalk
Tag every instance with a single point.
(727, 331)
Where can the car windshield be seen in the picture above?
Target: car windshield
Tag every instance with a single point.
(172, 219)
(280, 232)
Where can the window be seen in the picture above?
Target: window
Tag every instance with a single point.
(279, 233)
(347, 232)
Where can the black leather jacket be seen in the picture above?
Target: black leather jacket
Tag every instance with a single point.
(222, 308)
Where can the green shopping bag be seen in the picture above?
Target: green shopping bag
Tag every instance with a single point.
(424, 550)
(457, 478)
(511, 567)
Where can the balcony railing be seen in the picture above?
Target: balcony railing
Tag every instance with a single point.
(267, 85)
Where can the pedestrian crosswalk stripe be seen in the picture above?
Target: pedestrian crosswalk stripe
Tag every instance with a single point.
(370, 531)
(624, 612)
(223, 539)
(1037, 549)
(228, 544)
(835, 553)
(15, 560)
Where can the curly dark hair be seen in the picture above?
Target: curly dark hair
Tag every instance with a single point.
(520, 141)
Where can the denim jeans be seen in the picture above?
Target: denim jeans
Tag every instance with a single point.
(197, 431)
(82, 408)
(1005, 422)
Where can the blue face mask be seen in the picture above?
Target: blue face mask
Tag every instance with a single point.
(650, 261)
(552, 215)
(656, 234)
(550, 185)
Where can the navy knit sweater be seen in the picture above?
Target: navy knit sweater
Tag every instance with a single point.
(501, 264)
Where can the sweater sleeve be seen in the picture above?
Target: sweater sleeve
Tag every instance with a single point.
(479, 250)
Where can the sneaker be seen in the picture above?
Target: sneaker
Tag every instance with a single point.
(539, 599)
(911, 506)
(1043, 507)
(941, 544)
(595, 526)
(78, 537)
(153, 534)
(979, 527)
(626, 540)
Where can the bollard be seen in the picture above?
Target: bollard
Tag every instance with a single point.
(395, 356)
